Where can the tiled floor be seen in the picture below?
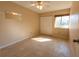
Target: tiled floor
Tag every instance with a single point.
(44, 46)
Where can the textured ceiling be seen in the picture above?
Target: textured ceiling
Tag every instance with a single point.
(50, 5)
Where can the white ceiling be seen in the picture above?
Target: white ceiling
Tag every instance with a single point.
(50, 5)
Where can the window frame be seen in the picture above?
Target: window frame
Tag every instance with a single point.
(61, 21)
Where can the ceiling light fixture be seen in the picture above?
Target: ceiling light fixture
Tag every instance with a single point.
(38, 4)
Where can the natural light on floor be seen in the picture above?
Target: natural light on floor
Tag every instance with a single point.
(41, 39)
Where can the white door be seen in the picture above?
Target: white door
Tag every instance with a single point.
(74, 28)
(46, 25)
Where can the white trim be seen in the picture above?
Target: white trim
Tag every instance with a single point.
(12, 42)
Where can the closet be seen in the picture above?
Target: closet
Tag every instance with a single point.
(46, 25)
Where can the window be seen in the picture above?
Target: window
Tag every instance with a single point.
(62, 21)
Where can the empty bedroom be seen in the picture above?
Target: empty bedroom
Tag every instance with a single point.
(38, 28)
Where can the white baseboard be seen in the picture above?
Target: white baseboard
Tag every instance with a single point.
(12, 42)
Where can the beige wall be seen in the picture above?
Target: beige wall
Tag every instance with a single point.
(14, 29)
(59, 33)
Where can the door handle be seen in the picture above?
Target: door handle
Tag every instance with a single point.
(76, 40)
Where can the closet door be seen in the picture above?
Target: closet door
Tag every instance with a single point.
(46, 25)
